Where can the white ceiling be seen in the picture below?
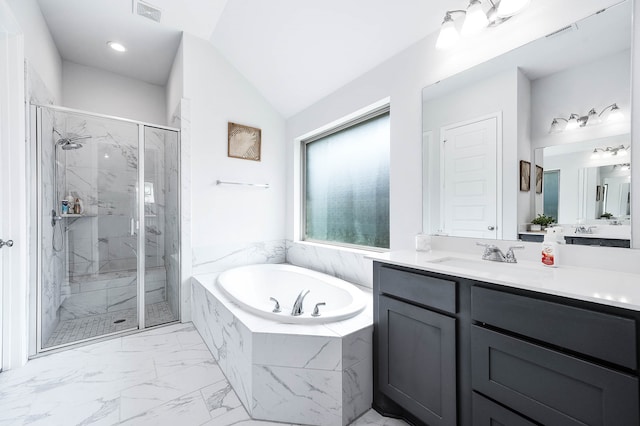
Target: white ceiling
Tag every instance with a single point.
(294, 52)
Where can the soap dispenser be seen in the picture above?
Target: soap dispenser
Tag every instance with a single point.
(550, 247)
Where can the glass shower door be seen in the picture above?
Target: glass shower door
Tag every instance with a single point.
(161, 218)
(89, 171)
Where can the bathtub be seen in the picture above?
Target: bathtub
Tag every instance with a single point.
(253, 286)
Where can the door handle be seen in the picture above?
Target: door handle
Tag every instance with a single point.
(491, 228)
(8, 243)
(132, 227)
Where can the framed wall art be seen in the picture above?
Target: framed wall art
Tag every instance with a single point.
(525, 175)
(539, 174)
(244, 142)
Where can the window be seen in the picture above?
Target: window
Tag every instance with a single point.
(346, 183)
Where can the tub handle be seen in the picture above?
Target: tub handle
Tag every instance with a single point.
(316, 310)
(276, 308)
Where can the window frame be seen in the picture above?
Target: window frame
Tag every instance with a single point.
(368, 115)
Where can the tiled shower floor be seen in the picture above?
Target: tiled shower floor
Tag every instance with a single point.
(97, 325)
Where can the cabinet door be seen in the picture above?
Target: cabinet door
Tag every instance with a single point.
(417, 367)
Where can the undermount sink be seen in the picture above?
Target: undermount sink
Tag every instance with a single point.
(490, 266)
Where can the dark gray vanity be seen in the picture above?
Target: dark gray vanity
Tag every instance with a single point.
(456, 351)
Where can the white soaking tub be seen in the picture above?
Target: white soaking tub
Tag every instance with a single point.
(253, 287)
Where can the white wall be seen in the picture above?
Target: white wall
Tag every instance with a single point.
(220, 94)
(401, 78)
(95, 90)
(39, 48)
(175, 84)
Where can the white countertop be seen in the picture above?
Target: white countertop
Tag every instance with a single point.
(606, 287)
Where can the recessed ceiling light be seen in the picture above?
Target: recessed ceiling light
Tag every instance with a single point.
(116, 46)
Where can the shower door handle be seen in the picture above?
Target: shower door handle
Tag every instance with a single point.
(132, 227)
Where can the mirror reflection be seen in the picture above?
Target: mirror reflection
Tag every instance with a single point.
(586, 182)
(555, 100)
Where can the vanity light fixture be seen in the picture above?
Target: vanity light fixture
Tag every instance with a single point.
(609, 151)
(475, 19)
(611, 113)
(118, 47)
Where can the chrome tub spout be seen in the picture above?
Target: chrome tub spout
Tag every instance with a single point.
(297, 306)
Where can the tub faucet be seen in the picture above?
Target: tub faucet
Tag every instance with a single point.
(297, 306)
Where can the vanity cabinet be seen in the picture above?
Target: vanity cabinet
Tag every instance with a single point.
(455, 351)
(416, 339)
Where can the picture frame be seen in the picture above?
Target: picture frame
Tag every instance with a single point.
(539, 175)
(525, 175)
(244, 142)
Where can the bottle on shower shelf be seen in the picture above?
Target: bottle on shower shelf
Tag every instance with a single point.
(65, 207)
(76, 206)
(71, 202)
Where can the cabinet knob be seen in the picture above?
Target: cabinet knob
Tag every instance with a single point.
(8, 243)
(491, 228)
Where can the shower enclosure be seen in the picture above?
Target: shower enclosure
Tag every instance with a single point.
(108, 228)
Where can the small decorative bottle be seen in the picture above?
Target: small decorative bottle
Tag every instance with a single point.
(76, 207)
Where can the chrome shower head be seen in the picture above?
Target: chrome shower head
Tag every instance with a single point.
(70, 143)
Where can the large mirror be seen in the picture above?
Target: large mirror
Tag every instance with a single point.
(494, 158)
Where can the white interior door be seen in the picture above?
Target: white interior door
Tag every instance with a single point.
(469, 178)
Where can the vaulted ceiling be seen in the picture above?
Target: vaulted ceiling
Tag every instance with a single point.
(294, 52)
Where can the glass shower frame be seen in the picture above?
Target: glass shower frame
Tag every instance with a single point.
(140, 222)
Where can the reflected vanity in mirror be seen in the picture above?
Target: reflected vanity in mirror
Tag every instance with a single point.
(561, 103)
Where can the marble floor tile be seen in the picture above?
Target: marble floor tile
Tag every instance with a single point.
(163, 376)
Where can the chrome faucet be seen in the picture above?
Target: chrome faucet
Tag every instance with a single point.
(581, 229)
(493, 253)
(297, 306)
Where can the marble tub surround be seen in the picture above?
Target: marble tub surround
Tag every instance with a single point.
(304, 374)
(220, 257)
(345, 263)
(601, 286)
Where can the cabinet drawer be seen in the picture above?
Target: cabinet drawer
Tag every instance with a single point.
(488, 413)
(550, 387)
(424, 290)
(604, 336)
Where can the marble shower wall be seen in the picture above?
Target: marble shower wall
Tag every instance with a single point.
(104, 175)
(172, 215)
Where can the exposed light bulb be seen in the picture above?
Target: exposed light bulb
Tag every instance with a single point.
(593, 118)
(557, 126)
(475, 19)
(595, 155)
(573, 122)
(511, 7)
(615, 114)
(118, 47)
(448, 34)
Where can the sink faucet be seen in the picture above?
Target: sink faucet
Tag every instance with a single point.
(493, 253)
(581, 229)
(297, 306)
